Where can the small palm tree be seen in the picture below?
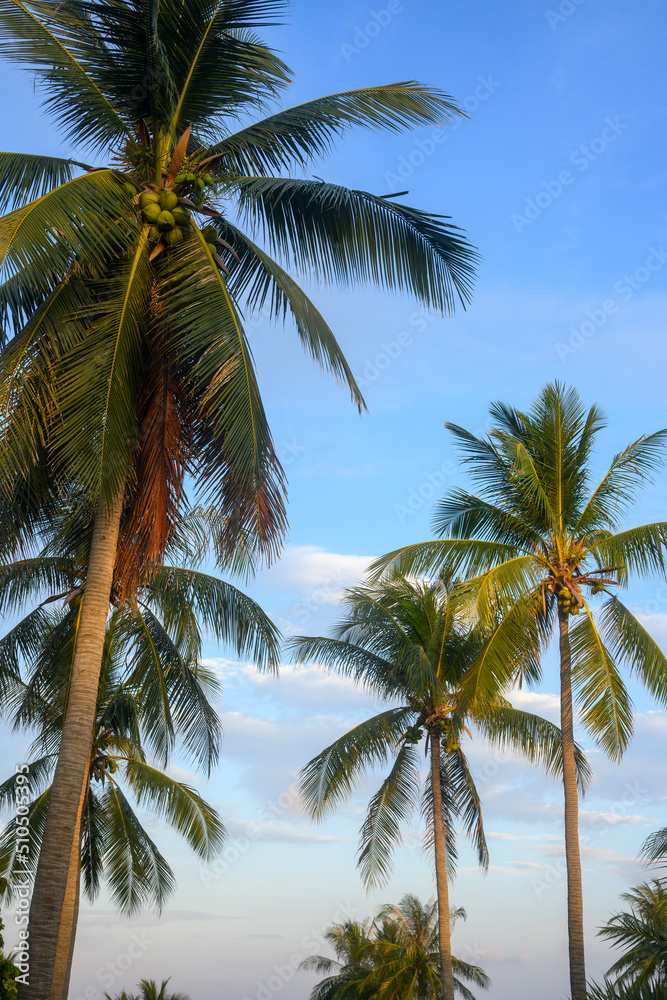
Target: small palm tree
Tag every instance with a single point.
(129, 369)
(408, 643)
(641, 933)
(543, 547)
(148, 990)
(394, 957)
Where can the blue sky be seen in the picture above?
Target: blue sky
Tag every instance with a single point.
(559, 177)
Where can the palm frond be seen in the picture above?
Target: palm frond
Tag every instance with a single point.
(391, 805)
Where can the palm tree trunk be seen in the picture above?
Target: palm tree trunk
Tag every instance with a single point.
(61, 821)
(70, 915)
(575, 901)
(442, 886)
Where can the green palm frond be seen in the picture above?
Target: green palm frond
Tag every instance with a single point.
(628, 640)
(136, 871)
(232, 616)
(236, 465)
(298, 135)
(56, 45)
(641, 932)
(345, 237)
(256, 277)
(78, 220)
(347, 658)
(532, 737)
(26, 176)
(466, 557)
(461, 515)
(179, 805)
(605, 704)
(329, 778)
(391, 805)
(638, 550)
(630, 471)
(96, 394)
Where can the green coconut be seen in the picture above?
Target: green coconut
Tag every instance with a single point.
(129, 189)
(168, 200)
(154, 234)
(148, 198)
(210, 234)
(190, 177)
(201, 184)
(181, 215)
(174, 236)
(180, 178)
(152, 212)
(208, 179)
(165, 221)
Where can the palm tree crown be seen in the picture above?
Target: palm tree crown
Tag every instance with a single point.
(394, 957)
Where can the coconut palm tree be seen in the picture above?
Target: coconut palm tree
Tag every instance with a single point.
(410, 645)
(153, 692)
(543, 547)
(394, 957)
(148, 990)
(129, 368)
(641, 932)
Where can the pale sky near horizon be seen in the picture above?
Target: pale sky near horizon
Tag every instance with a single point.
(559, 177)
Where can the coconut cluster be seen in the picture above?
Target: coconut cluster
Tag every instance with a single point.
(567, 602)
(169, 219)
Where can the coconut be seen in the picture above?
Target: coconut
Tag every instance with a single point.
(201, 184)
(210, 234)
(154, 234)
(180, 179)
(148, 198)
(175, 236)
(181, 215)
(168, 200)
(129, 189)
(190, 177)
(165, 221)
(208, 179)
(151, 212)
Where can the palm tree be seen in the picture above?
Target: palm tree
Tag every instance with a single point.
(8, 971)
(394, 957)
(540, 542)
(152, 692)
(129, 367)
(642, 934)
(409, 643)
(148, 991)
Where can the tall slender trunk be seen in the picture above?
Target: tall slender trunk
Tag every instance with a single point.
(442, 887)
(61, 821)
(575, 900)
(70, 914)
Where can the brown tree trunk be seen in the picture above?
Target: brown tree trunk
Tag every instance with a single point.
(70, 915)
(575, 900)
(61, 821)
(442, 886)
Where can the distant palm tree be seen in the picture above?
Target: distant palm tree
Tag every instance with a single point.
(126, 284)
(619, 991)
(641, 933)
(148, 991)
(539, 542)
(394, 957)
(408, 644)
